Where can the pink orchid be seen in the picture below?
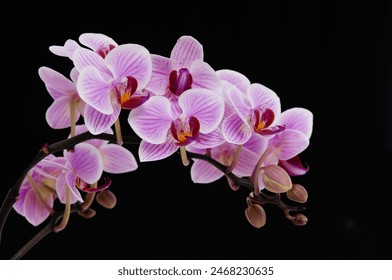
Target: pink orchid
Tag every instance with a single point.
(254, 111)
(164, 125)
(67, 106)
(111, 83)
(185, 69)
(203, 172)
(97, 42)
(115, 158)
(37, 192)
(287, 145)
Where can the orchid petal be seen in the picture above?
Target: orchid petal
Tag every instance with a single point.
(235, 78)
(56, 81)
(291, 143)
(204, 173)
(256, 144)
(84, 57)
(186, 50)
(299, 119)
(67, 50)
(235, 130)
(204, 76)
(210, 140)
(152, 120)
(161, 68)
(61, 188)
(153, 152)
(117, 159)
(34, 209)
(74, 74)
(86, 162)
(205, 105)
(261, 96)
(96, 41)
(95, 90)
(246, 163)
(130, 60)
(19, 204)
(238, 102)
(96, 122)
(58, 114)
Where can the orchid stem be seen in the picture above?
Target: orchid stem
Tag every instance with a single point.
(117, 127)
(72, 112)
(235, 159)
(67, 212)
(184, 156)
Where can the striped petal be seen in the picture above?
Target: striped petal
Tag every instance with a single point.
(96, 122)
(235, 78)
(130, 60)
(235, 130)
(58, 115)
(204, 173)
(204, 77)
(207, 106)
(152, 120)
(299, 119)
(152, 152)
(186, 50)
(117, 159)
(95, 90)
(161, 68)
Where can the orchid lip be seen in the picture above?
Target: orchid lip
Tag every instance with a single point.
(185, 132)
(180, 81)
(125, 94)
(87, 187)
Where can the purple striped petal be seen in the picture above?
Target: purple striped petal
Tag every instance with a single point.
(153, 152)
(210, 140)
(186, 50)
(117, 159)
(19, 204)
(235, 78)
(58, 114)
(56, 81)
(152, 120)
(246, 163)
(238, 102)
(95, 90)
(291, 143)
(61, 188)
(96, 41)
(204, 173)
(161, 68)
(205, 105)
(74, 74)
(34, 210)
(85, 57)
(235, 130)
(299, 119)
(262, 97)
(130, 60)
(67, 50)
(256, 144)
(96, 122)
(204, 77)
(86, 162)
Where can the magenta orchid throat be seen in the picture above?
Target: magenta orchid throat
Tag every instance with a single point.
(216, 120)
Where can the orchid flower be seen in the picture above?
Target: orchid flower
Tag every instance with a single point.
(164, 126)
(67, 106)
(255, 111)
(97, 42)
(115, 158)
(185, 69)
(109, 84)
(37, 192)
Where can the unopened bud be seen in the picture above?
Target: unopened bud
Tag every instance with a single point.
(300, 220)
(276, 179)
(255, 215)
(88, 213)
(298, 193)
(106, 199)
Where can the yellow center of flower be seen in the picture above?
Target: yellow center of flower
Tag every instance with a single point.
(182, 135)
(125, 97)
(260, 126)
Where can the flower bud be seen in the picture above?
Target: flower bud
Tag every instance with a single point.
(255, 215)
(298, 193)
(276, 179)
(106, 199)
(300, 220)
(88, 213)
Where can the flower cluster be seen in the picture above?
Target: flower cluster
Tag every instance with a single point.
(234, 128)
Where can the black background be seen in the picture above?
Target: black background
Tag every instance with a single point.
(333, 59)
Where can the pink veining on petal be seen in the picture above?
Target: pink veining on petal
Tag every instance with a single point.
(186, 50)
